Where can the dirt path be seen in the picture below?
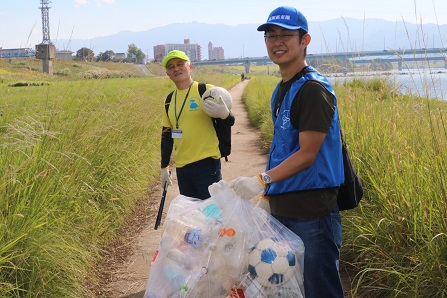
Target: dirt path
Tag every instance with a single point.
(128, 278)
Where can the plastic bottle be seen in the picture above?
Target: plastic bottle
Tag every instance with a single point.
(181, 259)
(252, 288)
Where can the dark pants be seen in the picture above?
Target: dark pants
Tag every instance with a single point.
(194, 179)
(322, 241)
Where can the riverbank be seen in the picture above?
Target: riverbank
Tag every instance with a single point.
(424, 82)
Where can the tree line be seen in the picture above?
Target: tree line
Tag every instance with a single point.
(134, 55)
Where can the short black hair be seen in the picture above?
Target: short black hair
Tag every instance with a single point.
(301, 33)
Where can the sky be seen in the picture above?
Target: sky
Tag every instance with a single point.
(21, 20)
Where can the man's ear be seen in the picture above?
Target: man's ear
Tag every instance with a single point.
(305, 40)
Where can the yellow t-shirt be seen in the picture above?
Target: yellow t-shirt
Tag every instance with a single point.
(199, 139)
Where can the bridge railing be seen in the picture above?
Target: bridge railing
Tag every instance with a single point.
(400, 54)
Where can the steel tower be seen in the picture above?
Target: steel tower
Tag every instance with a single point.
(45, 7)
(46, 50)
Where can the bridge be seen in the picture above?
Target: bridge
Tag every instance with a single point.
(365, 57)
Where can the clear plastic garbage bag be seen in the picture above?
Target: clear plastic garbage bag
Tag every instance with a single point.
(225, 247)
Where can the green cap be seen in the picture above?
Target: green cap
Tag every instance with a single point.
(174, 54)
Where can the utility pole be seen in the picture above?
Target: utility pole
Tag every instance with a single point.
(46, 50)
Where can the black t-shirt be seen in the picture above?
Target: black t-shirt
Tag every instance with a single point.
(312, 109)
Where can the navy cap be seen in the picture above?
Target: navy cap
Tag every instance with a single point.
(285, 17)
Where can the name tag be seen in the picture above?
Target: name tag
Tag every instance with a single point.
(177, 134)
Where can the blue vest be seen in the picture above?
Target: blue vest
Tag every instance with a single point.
(327, 170)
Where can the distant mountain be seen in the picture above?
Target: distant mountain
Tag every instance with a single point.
(338, 35)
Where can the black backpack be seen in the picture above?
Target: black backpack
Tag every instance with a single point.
(223, 130)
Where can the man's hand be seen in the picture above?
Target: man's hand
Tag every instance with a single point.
(247, 187)
(264, 204)
(216, 109)
(165, 176)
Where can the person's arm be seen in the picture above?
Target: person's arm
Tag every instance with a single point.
(229, 121)
(310, 143)
(167, 144)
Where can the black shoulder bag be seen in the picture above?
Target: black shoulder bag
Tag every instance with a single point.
(351, 191)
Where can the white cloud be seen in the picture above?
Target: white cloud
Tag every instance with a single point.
(79, 3)
(99, 2)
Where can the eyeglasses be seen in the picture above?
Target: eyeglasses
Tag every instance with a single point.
(280, 37)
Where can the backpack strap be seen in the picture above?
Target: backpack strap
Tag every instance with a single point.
(202, 88)
(168, 101)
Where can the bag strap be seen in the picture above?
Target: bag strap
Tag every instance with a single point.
(168, 102)
(202, 88)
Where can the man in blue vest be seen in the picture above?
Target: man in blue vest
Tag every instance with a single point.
(305, 166)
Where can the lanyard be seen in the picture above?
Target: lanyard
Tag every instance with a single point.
(175, 105)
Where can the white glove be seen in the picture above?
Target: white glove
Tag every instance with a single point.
(264, 204)
(247, 187)
(216, 109)
(165, 176)
(221, 192)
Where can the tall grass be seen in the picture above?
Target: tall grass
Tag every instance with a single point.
(396, 239)
(75, 157)
(257, 99)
